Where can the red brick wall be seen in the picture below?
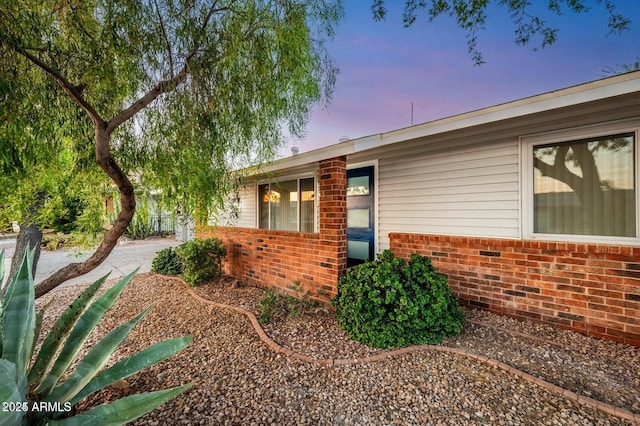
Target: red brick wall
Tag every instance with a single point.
(279, 259)
(590, 288)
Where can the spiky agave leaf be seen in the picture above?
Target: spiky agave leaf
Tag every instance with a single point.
(19, 292)
(9, 392)
(60, 330)
(78, 335)
(2, 285)
(18, 326)
(123, 410)
(133, 364)
(93, 362)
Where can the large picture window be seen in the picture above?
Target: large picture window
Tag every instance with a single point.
(585, 186)
(288, 205)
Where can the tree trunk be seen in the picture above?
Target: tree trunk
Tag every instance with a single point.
(28, 237)
(128, 201)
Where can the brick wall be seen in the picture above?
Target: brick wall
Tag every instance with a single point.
(589, 288)
(279, 259)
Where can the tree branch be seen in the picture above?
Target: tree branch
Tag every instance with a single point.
(110, 239)
(160, 88)
(166, 38)
(66, 86)
(168, 85)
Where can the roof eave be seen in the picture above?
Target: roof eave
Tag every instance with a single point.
(575, 95)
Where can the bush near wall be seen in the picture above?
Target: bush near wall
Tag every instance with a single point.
(196, 261)
(392, 303)
(167, 262)
(201, 259)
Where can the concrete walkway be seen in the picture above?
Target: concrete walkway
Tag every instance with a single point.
(124, 258)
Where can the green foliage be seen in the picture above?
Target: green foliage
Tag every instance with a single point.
(276, 305)
(392, 303)
(57, 193)
(201, 259)
(58, 376)
(53, 242)
(140, 227)
(173, 95)
(66, 217)
(234, 82)
(167, 262)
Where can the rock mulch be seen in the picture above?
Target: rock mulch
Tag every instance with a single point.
(237, 379)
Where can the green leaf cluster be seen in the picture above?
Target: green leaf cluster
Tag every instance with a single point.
(201, 259)
(167, 262)
(194, 90)
(58, 375)
(392, 303)
(276, 305)
(140, 227)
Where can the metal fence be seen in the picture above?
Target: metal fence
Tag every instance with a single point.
(163, 223)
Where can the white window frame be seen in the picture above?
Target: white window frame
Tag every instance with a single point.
(567, 135)
(285, 178)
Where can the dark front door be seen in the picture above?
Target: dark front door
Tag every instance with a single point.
(360, 215)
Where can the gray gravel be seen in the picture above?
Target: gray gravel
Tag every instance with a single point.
(237, 379)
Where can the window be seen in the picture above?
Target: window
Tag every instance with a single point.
(582, 186)
(287, 205)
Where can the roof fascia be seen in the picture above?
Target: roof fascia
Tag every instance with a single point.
(571, 96)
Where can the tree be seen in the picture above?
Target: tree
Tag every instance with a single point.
(37, 177)
(471, 15)
(176, 93)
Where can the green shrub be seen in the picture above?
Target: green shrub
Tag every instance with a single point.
(65, 211)
(53, 242)
(389, 303)
(201, 259)
(276, 305)
(140, 227)
(58, 374)
(167, 262)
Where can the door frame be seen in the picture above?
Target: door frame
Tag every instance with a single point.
(376, 233)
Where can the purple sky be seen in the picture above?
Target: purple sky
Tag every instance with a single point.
(384, 67)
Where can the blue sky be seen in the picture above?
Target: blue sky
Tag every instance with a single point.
(384, 67)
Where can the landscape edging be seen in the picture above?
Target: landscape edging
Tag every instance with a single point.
(599, 405)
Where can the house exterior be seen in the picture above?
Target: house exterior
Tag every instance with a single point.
(531, 208)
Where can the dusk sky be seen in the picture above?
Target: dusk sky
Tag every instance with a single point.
(384, 67)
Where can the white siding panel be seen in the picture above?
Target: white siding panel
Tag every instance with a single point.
(248, 208)
(468, 190)
(244, 217)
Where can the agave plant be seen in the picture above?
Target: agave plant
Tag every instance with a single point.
(43, 391)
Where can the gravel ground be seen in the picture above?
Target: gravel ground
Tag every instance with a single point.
(237, 379)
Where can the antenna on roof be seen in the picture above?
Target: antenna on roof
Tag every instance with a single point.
(412, 113)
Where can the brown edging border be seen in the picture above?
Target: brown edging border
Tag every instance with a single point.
(599, 405)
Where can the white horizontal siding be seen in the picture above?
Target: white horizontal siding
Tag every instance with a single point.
(244, 216)
(463, 190)
(248, 209)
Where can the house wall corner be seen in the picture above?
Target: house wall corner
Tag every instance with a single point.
(295, 263)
